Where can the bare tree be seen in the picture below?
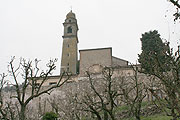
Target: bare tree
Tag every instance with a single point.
(66, 106)
(98, 95)
(133, 91)
(176, 3)
(102, 95)
(30, 78)
(3, 111)
(166, 98)
(170, 82)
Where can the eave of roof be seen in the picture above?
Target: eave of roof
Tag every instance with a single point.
(95, 49)
(119, 58)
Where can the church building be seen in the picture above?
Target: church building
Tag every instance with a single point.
(92, 60)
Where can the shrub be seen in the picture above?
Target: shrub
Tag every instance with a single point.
(50, 116)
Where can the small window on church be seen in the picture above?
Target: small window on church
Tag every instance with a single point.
(67, 64)
(68, 54)
(69, 20)
(68, 45)
(69, 30)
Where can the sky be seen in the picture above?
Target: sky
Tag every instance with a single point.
(33, 28)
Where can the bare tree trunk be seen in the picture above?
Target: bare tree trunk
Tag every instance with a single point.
(138, 118)
(22, 113)
(112, 116)
(105, 115)
(40, 107)
(174, 115)
(98, 117)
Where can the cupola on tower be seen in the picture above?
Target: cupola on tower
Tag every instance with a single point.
(69, 56)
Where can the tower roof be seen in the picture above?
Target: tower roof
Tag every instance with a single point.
(70, 15)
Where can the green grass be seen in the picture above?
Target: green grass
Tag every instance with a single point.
(144, 104)
(157, 117)
(160, 116)
(154, 117)
(125, 107)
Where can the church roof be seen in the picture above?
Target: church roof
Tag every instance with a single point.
(119, 59)
(70, 15)
(95, 49)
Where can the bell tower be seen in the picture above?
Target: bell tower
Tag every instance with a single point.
(69, 56)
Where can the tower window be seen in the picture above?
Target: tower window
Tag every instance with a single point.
(68, 54)
(68, 45)
(69, 30)
(67, 64)
(69, 20)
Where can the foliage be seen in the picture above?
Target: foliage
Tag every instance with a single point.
(158, 60)
(154, 51)
(50, 116)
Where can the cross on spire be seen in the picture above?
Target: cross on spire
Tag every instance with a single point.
(71, 8)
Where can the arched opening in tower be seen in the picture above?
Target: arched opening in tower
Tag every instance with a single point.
(69, 30)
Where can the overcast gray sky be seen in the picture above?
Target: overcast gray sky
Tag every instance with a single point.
(33, 28)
